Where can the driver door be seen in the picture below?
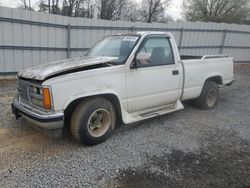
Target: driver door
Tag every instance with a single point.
(155, 81)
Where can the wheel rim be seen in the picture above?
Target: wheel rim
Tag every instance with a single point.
(211, 97)
(99, 122)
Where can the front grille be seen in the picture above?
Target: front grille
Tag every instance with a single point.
(22, 87)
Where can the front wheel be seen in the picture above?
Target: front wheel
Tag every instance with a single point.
(208, 97)
(93, 121)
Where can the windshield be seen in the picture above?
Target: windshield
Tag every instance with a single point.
(114, 46)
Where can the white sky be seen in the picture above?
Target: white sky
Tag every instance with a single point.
(174, 10)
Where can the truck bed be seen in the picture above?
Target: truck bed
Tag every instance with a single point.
(197, 69)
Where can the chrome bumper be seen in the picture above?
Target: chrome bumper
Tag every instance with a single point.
(46, 121)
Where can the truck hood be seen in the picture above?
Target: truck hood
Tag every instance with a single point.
(42, 72)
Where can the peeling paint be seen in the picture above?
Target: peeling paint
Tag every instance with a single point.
(44, 71)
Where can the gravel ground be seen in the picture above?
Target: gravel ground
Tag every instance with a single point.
(190, 148)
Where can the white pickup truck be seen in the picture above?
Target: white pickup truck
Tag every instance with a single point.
(131, 77)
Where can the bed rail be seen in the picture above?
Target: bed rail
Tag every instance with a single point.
(214, 56)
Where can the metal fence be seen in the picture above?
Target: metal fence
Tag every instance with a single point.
(31, 38)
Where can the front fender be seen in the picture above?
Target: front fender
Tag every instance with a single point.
(91, 94)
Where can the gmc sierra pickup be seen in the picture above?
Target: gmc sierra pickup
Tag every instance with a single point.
(128, 76)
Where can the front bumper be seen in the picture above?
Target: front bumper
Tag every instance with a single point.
(45, 121)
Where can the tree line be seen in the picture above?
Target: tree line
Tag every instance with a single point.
(126, 10)
(226, 11)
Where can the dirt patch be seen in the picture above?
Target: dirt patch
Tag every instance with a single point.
(16, 148)
(9, 141)
(20, 144)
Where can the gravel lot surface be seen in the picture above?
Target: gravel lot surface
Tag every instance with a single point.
(190, 148)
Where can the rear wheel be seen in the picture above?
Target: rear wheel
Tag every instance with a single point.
(208, 97)
(93, 121)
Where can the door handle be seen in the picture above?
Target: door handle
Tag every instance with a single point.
(175, 72)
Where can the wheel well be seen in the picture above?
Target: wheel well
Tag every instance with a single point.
(216, 79)
(111, 97)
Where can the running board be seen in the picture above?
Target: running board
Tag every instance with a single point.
(153, 112)
(156, 112)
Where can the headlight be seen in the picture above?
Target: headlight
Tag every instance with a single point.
(40, 96)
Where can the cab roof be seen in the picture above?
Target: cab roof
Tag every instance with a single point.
(145, 33)
(151, 33)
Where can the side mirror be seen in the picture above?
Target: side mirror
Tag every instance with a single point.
(143, 58)
(133, 65)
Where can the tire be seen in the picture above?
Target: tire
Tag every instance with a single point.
(208, 97)
(93, 121)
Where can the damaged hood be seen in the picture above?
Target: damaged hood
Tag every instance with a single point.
(41, 72)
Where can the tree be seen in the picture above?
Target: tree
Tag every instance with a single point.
(111, 9)
(152, 10)
(85, 8)
(43, 7)
(127, 10)
(68, 7)
(228, 11)
(130, 11)
(26, 6)
(74, 8)
(165, 18)
(90, 9)
(51, 7)
(55, 7)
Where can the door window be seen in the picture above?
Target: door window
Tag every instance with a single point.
(155, 51)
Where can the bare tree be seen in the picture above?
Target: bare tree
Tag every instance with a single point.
(130, 11)
(90, 8)
(29, 4)
(68, 7)
(165, 18)
(152, 10)
(26, 5)
(43, 7)
(111, 9)
(229, 11)
(85, 8)
(76, 8)
(55, 7)
(51, 6)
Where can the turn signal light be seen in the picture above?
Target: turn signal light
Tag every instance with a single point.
(46, 98)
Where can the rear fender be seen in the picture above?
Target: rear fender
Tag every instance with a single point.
(216, 77)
